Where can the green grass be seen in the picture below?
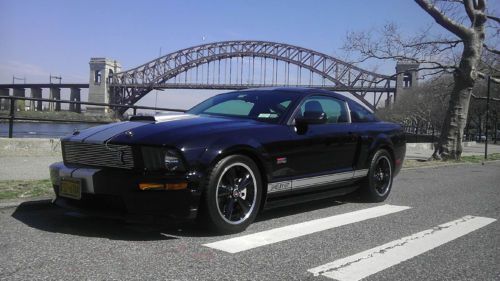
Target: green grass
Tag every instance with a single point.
(17, 189)
(464, 159)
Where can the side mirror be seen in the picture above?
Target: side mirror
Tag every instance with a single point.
(311, 118)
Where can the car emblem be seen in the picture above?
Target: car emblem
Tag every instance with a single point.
(281, 160)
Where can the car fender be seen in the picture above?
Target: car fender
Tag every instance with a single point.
(234, 145)
(380, 141)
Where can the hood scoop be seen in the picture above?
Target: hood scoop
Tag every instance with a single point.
(142, 118)
(160, 118)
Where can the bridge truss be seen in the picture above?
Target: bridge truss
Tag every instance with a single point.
(249, 64)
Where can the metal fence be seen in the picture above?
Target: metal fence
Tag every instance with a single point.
(12, 100)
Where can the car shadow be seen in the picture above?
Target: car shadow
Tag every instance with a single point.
(50, 218)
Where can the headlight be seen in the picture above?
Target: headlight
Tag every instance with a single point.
(157, 158)
(172, 161)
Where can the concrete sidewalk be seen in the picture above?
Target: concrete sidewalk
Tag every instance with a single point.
(420, 151)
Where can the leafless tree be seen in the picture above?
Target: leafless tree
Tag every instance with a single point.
(421, 106)
(469, 52)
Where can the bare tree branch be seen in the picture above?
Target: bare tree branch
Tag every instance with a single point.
(484, 98)
(495, 80)
(497, 19)
(443, 20)
(494, 51)
(469, 8)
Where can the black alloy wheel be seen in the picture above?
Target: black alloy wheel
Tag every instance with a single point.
(377, 185)
(232, 197)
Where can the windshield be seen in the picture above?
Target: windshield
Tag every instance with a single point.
(259, 105)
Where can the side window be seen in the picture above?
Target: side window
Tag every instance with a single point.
(361, 114)
(334, 109)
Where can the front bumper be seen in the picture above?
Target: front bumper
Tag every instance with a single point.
(115, 193)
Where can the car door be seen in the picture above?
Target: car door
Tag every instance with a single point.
(327, 148)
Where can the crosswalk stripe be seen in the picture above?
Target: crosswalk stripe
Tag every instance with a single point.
(247, 242)
(369, 262)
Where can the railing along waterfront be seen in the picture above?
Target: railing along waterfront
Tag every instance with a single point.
(12, 110)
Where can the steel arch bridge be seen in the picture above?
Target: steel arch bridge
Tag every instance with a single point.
(248, 64)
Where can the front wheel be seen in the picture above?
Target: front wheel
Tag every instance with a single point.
(233, 194)
(377, 185)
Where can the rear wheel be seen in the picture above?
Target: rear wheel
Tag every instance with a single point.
(232, 196)
(377, 185)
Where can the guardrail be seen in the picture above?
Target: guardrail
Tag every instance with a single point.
(12, 110)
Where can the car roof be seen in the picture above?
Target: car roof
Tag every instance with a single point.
(298, 90)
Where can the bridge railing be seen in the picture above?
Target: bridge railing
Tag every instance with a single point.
(12, 110)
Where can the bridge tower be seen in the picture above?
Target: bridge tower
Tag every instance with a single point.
(407, 75)
(101, 71)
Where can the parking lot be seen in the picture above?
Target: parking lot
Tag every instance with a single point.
(438, 224)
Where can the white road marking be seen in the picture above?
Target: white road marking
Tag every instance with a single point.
(369, 262)
(247, 242)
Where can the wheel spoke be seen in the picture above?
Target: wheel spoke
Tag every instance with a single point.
(245, 206)
(229, 208)
(247, 180)
(224, 191)
(230, 176)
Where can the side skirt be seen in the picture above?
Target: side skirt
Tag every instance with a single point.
(292, 199)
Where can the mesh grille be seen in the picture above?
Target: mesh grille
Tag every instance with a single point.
(100, 155)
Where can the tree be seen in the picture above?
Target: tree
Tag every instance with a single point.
(461, 53)
(420, 107)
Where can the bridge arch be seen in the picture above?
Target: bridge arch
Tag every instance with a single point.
(131, 85)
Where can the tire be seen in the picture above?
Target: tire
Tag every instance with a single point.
(378, 184)
(232, 197)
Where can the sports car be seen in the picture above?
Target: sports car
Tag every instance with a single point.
(231, 156)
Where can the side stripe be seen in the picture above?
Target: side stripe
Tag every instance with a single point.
(314, 181)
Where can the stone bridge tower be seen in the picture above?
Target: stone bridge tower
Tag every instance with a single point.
(101, 71)
(407, 76)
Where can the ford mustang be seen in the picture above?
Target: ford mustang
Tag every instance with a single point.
(231, 156)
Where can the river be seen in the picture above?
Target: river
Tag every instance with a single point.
(42, 129)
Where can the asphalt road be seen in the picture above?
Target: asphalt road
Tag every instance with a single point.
(42, 242)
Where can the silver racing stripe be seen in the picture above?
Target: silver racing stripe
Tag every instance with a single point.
(281, 186)
(166, 118)
(320, 180)
(101, 134)
(360, 173)
(104, 135)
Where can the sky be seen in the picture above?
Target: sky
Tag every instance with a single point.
(58, 37)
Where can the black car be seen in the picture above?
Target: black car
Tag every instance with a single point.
(229, 157)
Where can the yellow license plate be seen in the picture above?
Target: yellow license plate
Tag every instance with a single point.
(71, 188)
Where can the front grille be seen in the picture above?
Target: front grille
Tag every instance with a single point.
(99, 155)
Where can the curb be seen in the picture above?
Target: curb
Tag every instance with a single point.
(28, 202)
(450, 165)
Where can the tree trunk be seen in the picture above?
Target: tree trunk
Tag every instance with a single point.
(450, 142)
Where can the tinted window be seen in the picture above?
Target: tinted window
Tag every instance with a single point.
(361, 114)
(334, 109)
(260, 105)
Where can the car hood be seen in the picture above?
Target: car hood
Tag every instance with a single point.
(164, 130)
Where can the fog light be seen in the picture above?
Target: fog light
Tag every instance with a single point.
(163, 186)
(148, 186)
(176, 186)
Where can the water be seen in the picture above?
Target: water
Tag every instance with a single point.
(42, 129)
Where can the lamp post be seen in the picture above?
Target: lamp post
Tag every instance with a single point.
(487, 119)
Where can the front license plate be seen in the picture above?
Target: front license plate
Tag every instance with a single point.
(71, 188)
